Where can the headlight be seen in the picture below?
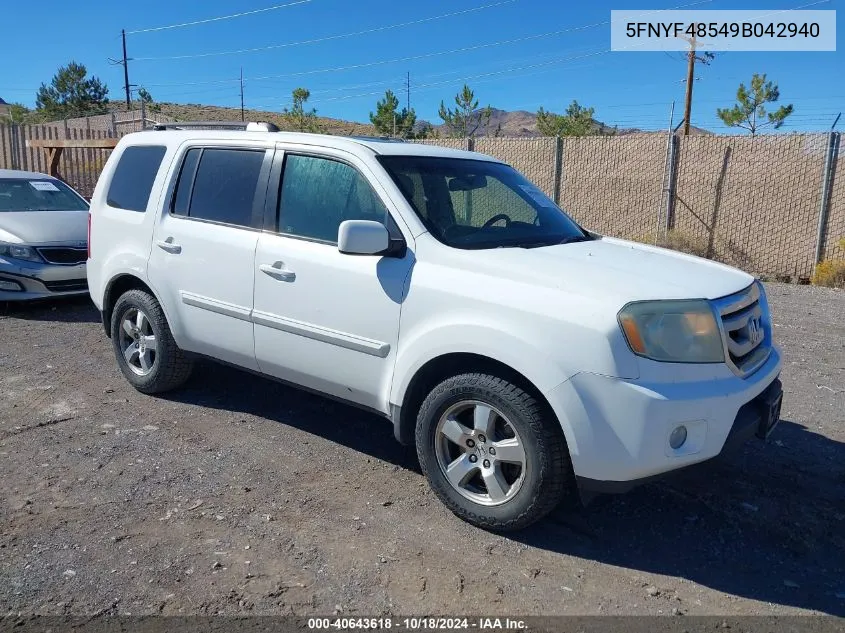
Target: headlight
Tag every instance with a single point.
(18, 251)
(673, 331)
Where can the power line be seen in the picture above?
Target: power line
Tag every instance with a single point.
(217, 19)
(395, 60)
(381, 62)
(393, 81)
(329, 37)
(479, 76)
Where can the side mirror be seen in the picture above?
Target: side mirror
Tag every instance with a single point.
(362, 237)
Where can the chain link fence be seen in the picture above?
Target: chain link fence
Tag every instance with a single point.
(755, 203)
(771, 205)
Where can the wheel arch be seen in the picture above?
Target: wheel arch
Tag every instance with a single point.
(119, 285)
(443, 366)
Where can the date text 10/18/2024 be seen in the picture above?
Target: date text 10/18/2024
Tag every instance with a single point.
(417, 624)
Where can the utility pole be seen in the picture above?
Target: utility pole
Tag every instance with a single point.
(408, 90)
(126, 71)
(690, 79)
(242, 93)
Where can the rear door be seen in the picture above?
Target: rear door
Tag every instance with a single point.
(204, 247)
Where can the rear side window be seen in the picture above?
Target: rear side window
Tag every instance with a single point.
(133, 177)
(219, 185)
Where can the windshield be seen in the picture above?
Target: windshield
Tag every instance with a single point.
(480, 204)
(20, 194)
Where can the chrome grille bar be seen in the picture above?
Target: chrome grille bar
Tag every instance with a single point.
(746, 330)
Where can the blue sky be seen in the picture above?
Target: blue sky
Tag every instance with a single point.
(631, 89)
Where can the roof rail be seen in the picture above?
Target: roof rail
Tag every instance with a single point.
(381, 139)
(251, 126)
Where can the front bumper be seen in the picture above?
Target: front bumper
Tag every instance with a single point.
(39, 281)
(618, 430)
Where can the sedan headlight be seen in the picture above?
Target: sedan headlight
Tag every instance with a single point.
(19, 251)
(673, 331)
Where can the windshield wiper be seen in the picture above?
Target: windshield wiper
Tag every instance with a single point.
(576, 238)
(548, 242)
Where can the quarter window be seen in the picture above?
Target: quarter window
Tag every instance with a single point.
(319, 193)
(134, 176)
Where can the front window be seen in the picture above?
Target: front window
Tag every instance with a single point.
(320, 193)
(38, 194)
(480, 204)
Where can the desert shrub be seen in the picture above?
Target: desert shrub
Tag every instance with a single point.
(830, 273)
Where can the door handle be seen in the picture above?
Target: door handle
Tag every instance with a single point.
(278, 271)
(169, 246)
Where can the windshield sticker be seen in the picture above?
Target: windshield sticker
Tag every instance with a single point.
(537, 196)
(43, 185)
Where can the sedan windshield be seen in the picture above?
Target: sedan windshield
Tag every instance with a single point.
(20, 194)
(480, 204)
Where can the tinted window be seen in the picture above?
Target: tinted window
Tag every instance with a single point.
(186, 179)
(133, 178)
(480, 204)
(318, 194)
(225, 185)
(17, 194)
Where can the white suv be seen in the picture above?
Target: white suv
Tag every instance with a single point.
(526, 357)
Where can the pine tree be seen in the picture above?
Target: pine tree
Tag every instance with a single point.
(297, 117)
(70, 95)
(390, 121)
(466, 119)
(577, 121)
(749, 113)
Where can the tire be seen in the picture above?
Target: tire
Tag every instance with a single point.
(544, 478)
(167, 367)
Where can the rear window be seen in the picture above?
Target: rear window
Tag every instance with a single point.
(38, 194)
(133, 177)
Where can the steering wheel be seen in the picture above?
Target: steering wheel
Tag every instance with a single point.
(496, 218)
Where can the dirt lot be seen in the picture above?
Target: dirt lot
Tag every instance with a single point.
(239, 495)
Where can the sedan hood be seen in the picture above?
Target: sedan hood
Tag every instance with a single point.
(616, 269)
(44, 227)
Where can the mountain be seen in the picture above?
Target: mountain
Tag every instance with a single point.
(517, 123)
(521, 123)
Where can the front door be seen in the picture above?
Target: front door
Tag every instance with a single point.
(326, 320)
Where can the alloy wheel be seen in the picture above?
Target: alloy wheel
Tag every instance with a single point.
(480, 452)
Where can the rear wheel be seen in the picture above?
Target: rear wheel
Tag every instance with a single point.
(143, 345)
(491, 452)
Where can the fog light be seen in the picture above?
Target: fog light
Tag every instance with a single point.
(10, 285)
(678, 437)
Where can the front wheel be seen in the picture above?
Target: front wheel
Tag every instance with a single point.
(143, 345)
(491, 452)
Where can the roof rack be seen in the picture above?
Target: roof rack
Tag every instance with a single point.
(381, 139)
(250, 126)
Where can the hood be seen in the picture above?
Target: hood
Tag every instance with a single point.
(615, 269)
(44, 227)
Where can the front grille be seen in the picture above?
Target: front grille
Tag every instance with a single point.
(64, 255)
(746, 329)
(67, 285)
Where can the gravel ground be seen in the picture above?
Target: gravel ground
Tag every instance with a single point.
(238, 495)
